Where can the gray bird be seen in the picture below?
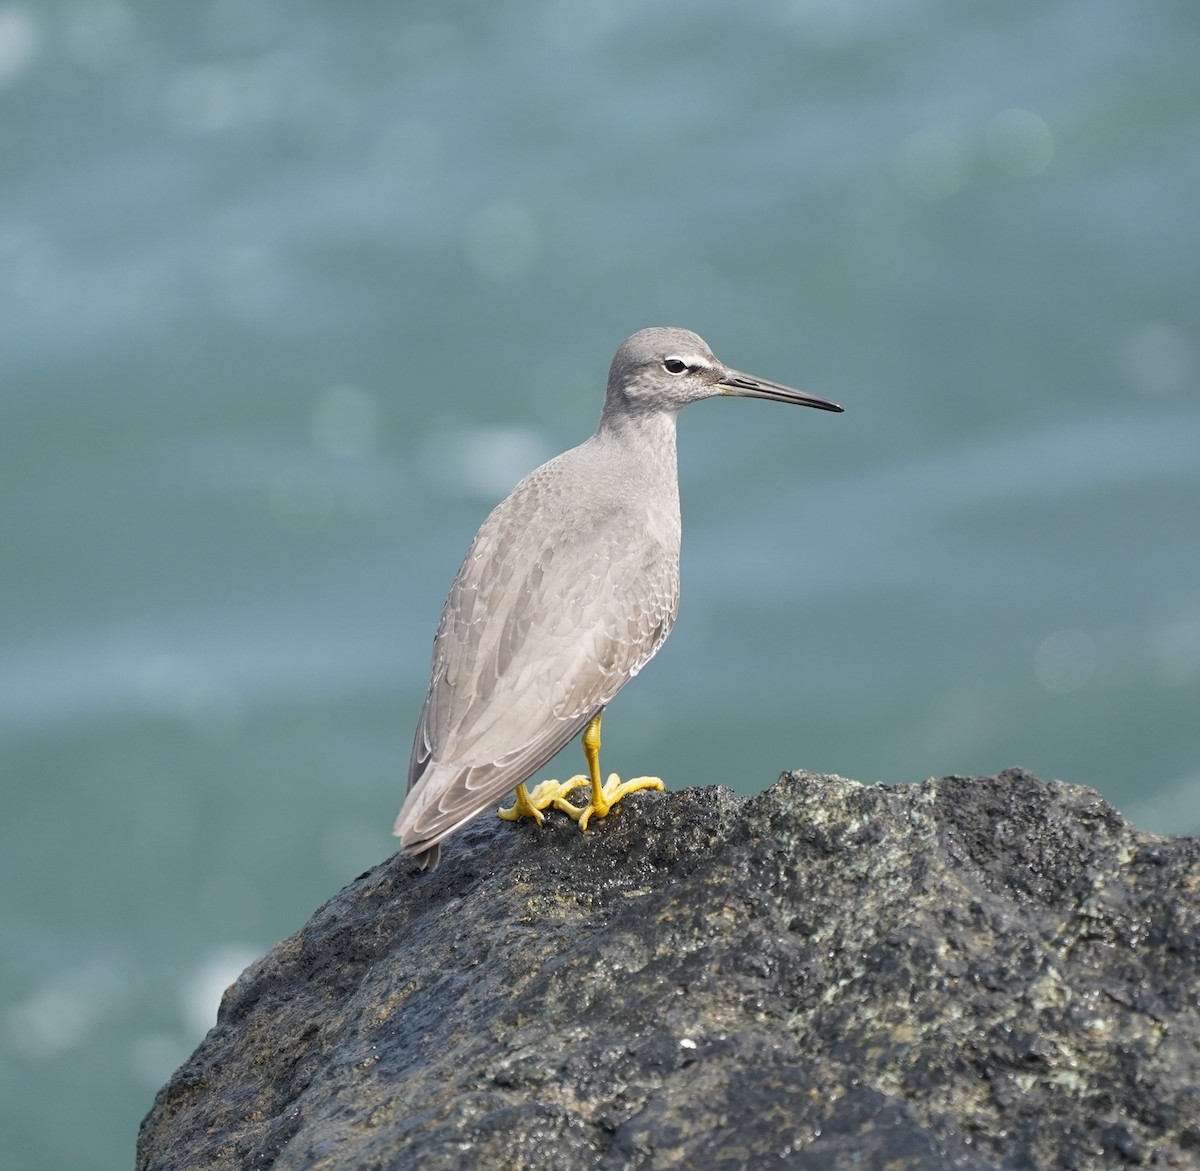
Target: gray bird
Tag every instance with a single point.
(567, 592)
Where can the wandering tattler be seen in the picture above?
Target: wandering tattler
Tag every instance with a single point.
(567, 592)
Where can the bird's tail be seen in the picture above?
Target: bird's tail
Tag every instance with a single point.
(421, 823)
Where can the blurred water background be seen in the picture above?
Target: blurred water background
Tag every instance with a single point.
(292, 293)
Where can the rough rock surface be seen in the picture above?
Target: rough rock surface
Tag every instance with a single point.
(991, 972)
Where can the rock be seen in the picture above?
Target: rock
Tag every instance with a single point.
(991, 972)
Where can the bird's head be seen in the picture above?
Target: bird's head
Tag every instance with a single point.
(663, 369)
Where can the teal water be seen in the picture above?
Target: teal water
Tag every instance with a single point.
(291, 294)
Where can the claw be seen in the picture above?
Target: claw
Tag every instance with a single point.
(545, 794)
(612, 792)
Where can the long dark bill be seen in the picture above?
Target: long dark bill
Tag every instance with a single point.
(746, 386)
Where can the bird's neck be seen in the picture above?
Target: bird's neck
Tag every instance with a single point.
(646, 440)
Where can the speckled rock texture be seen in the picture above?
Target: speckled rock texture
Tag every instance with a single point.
(988, 972)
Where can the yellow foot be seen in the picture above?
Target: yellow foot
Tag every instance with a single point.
(614, 789)
(547, 793)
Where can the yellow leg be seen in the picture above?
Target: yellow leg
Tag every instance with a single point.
(605, 796)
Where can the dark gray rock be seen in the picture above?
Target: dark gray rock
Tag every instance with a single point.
(992, 972)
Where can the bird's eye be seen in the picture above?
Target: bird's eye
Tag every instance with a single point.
(674, 365)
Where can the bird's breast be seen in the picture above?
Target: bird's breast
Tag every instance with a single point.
(661, 525)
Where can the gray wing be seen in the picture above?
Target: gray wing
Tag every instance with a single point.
(535, 638)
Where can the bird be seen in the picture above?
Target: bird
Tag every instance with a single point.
(568, 590)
